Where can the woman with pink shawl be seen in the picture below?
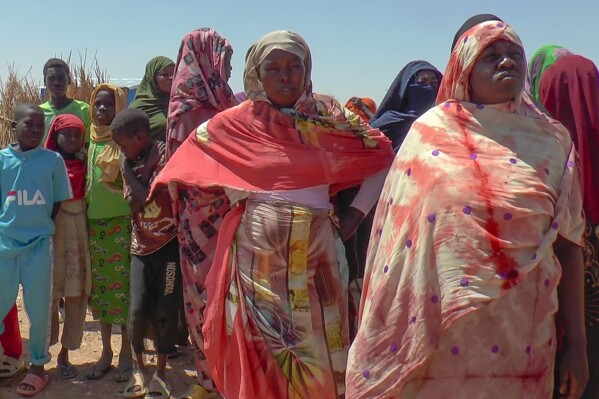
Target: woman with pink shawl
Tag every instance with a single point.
(200, 89)
(476, 240)
(274, 317)
(199, 92)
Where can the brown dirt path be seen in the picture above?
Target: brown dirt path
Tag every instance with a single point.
(180, 374)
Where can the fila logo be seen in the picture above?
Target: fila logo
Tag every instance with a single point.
(22, 198)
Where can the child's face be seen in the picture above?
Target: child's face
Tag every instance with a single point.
(164, 79)
(132, 146)
(57, 81)
(30, 129)
(104, 108)
(69, 140)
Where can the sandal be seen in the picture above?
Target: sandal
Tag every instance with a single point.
(67, 371)
(34, 381)
(197, 391)
(9, 366)
(97, 372)
(158, 389)
(136, 387)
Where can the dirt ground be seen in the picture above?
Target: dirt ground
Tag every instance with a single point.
(179, 375)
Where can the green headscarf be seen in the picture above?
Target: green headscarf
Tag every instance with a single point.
(151, 100)
(542, 59)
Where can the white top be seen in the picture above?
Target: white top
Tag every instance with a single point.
(318, 197)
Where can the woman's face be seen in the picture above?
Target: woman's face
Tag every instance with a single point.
(164, 79)
(498, 74)
(427, 77)
(283, 77)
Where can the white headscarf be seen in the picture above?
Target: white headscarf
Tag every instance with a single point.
(277, 40)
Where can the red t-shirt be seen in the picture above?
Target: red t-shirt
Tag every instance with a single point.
(154, 227)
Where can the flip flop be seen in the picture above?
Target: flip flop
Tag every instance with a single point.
(136, 380)
(67, 371)
(158, 389)
(197, 391)
(97, 372)
(36, 382)
(9, 366)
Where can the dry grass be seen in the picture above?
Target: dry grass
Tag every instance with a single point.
(18, 89)
(84, 77)
(14, 90)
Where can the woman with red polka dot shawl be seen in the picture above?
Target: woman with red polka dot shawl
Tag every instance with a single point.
(478, 228)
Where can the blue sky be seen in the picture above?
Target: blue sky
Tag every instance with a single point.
(358, 47)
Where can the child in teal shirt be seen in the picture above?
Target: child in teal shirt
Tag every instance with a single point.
(33, 182)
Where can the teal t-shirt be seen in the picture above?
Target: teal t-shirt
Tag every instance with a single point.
(78, 108)
(30, 183)
(104, 201)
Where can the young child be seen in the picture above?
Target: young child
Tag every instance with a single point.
(33, 183)
(109, 224)
(156, 290)
(71, 272)
(57, 79)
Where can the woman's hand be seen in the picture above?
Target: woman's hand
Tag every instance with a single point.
(573, 371)
(349, 222)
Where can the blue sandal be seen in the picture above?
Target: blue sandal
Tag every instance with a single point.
(67, 371)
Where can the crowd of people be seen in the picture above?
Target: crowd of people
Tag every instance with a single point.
(442, 244)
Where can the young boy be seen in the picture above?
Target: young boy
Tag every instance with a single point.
(156, 287)
(57, 79)
(33, 182)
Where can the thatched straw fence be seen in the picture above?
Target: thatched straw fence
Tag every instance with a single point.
(17, 89)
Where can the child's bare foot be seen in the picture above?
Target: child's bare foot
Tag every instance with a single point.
(125, 368)
(102, 367)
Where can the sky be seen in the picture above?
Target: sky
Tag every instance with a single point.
(358, 47)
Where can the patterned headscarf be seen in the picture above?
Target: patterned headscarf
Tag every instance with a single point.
(541, 59)
(278, 40)
(200, 89)
(108, 158)
(472, 22)
(151, 100)
(456, 81)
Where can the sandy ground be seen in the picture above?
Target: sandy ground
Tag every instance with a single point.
(179, 375)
